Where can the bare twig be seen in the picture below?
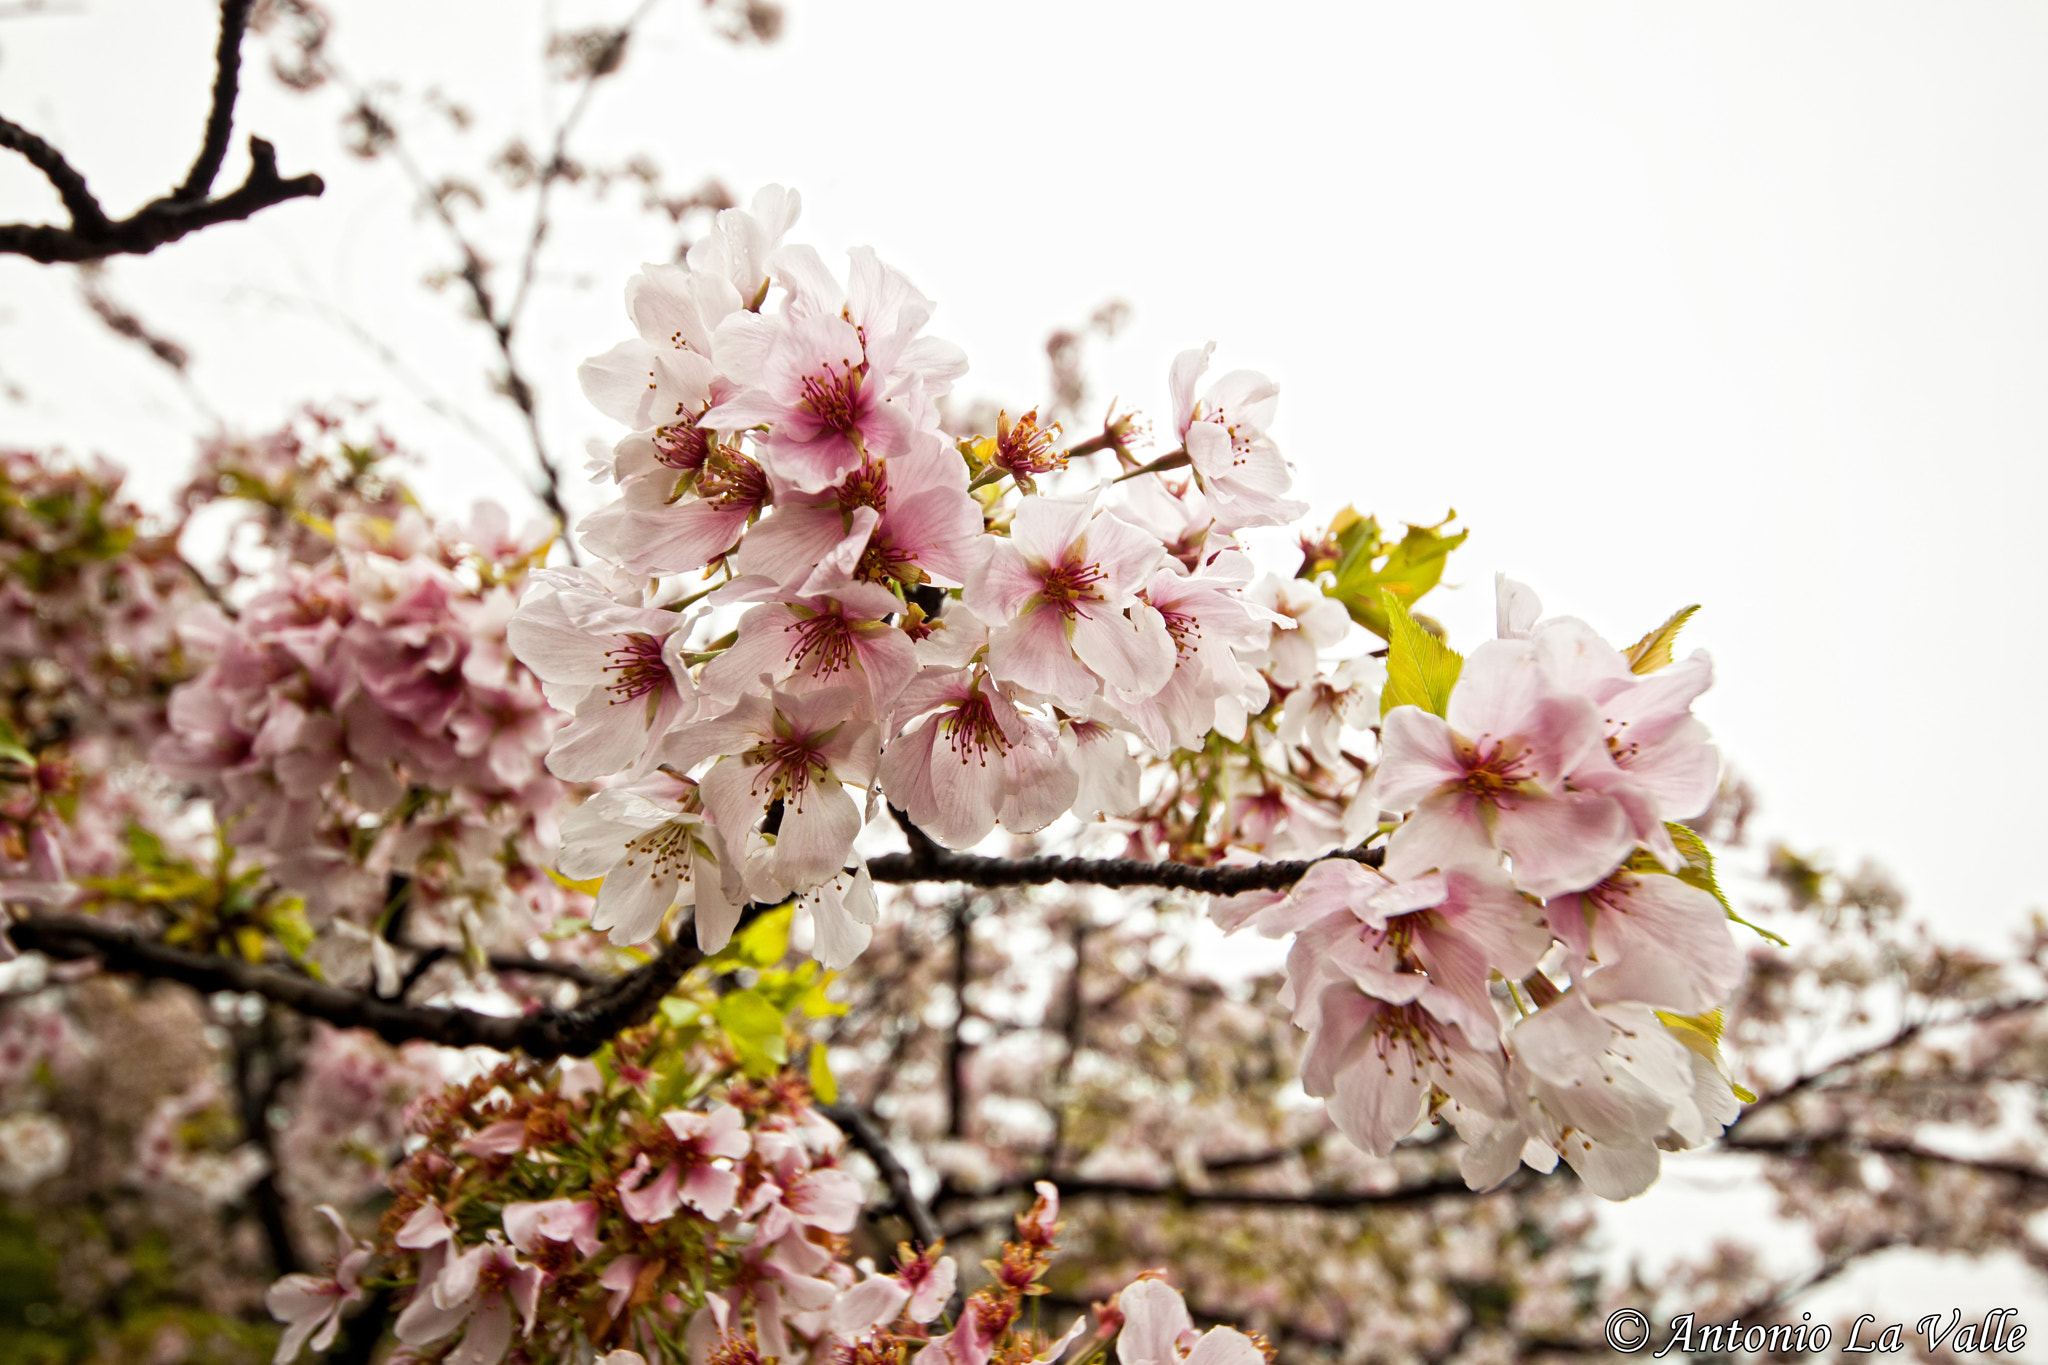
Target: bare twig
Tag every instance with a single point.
(93, 236)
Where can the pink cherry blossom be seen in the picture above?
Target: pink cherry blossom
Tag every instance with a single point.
(1457, 927)
(558, 1220)
(1061, 599)
(655, 850)
(812, 642)
(970, 758)
(692, 1174)
(1500, 772)
(1649, 938)
(1212, 626)
(480, 1287)
(310, 1306)
(834, 387)
(618, 667)
(1224, 434)
(1157, 1330)
(906, 520)
(791, 749)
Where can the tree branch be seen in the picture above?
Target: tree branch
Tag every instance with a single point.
(868, 1138)
(942, 865)
(1821, 1075)
(1338, 1201)
(543, 1034)
(621, 1002)
(93, 236)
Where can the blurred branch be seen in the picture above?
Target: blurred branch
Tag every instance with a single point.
(1820, 1076)
(868, 1138)
(502, 321)
(93, 236)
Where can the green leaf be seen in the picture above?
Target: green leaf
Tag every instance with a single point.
(1699, 871)
(1653, 651)
(1743, 1093)
(822, 1084)
(286, 921)
(1367, 566)
(1421, 669)
(761, 944)
(754, 1027)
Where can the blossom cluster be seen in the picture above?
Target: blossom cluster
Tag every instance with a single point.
(654, 1205)
(1541, 952)
(361, 716)
(883, 616)
(887, 611)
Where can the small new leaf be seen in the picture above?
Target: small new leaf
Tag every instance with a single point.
(822, 1083)
(1699, 871)
(1421, 669)
(1367, 566)
(1653, 651)
(754, 1027)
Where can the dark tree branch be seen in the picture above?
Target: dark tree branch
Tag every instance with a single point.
(1809, 1144)
(621, 1002)
(868, 1138)
(220, 119)
(936, 864)
(1331, 1201)
(93, 236)
(544, 1034)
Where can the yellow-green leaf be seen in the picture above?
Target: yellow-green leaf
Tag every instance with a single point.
(588, 888)
(1653, 651)
(1421, 669)
(822, 1084)
(1699, 871)
(761, 944)
(754, 1027)
(1367, 566)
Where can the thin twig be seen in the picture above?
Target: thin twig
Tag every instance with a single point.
(93, 236)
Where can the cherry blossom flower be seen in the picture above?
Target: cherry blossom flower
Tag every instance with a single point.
(971, 758)
(1157, 1330)
(655, 851)
(1649, 938)
(905, 521)
(691, 1174)
(479, 1287)
(310, 1306)
(813, 642)
(1061, 599)
(833, 387)
(1224, 434)
(794, 750)
(687, 502)
(1503, 770)
(1599, 1086)
(618, 667)
(1211, 625)
(558, 1220)
(1458, 927)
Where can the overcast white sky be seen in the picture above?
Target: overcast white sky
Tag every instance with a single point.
(1742, 304)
